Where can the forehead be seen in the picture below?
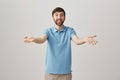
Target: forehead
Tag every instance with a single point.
(59, 13)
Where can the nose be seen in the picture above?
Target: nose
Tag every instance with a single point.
(58, 17)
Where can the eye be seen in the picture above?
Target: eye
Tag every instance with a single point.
(61, 14)
(56, 14)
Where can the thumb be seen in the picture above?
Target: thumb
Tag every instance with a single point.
(93, 36)
(25, 37)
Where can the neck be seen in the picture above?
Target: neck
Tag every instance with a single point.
(59, 27)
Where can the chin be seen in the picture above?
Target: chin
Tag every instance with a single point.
(59, 25)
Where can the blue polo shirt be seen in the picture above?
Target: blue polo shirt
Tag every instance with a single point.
(58, 53)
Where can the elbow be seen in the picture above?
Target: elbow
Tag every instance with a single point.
(79, 43)
(41, 42)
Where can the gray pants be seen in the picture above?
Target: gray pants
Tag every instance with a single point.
(58, 76)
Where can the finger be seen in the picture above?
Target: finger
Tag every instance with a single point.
(93, 36)
(91, 41)
(94, 42)
(32, 38)
(25, 37)
(26, 41)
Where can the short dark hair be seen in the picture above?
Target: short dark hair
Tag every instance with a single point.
(58, 9)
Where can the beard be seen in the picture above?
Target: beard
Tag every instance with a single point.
(59, 22)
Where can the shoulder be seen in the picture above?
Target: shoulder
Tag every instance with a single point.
(49, 29)
(69, 28)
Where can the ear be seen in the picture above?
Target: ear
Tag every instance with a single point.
(52, 16)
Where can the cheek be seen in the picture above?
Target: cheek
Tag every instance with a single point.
(53, 18)
(63, 18)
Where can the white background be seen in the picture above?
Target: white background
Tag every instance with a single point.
(20, 18)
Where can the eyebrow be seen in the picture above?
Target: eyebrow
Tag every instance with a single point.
(59, 12)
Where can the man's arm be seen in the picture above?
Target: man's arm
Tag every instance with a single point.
(88, 39)
(38, 40)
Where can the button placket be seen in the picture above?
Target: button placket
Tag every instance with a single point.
(58, 38)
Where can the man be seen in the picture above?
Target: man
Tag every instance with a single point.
(58, 54)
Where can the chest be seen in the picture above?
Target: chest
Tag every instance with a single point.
(59, 37)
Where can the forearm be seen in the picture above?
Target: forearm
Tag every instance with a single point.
(89, 40)
(77, 40)
(39, 40)
(80, 41)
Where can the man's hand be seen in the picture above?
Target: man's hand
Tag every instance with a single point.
(90, 40)
(29, 39)
(38, 40)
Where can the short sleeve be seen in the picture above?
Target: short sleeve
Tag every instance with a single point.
(46, 32)
(72, 32)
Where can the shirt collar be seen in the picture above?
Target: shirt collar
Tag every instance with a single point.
(63, 29)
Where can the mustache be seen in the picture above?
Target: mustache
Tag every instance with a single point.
(59, 19)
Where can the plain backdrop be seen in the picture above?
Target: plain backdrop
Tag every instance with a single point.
(20, 18)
